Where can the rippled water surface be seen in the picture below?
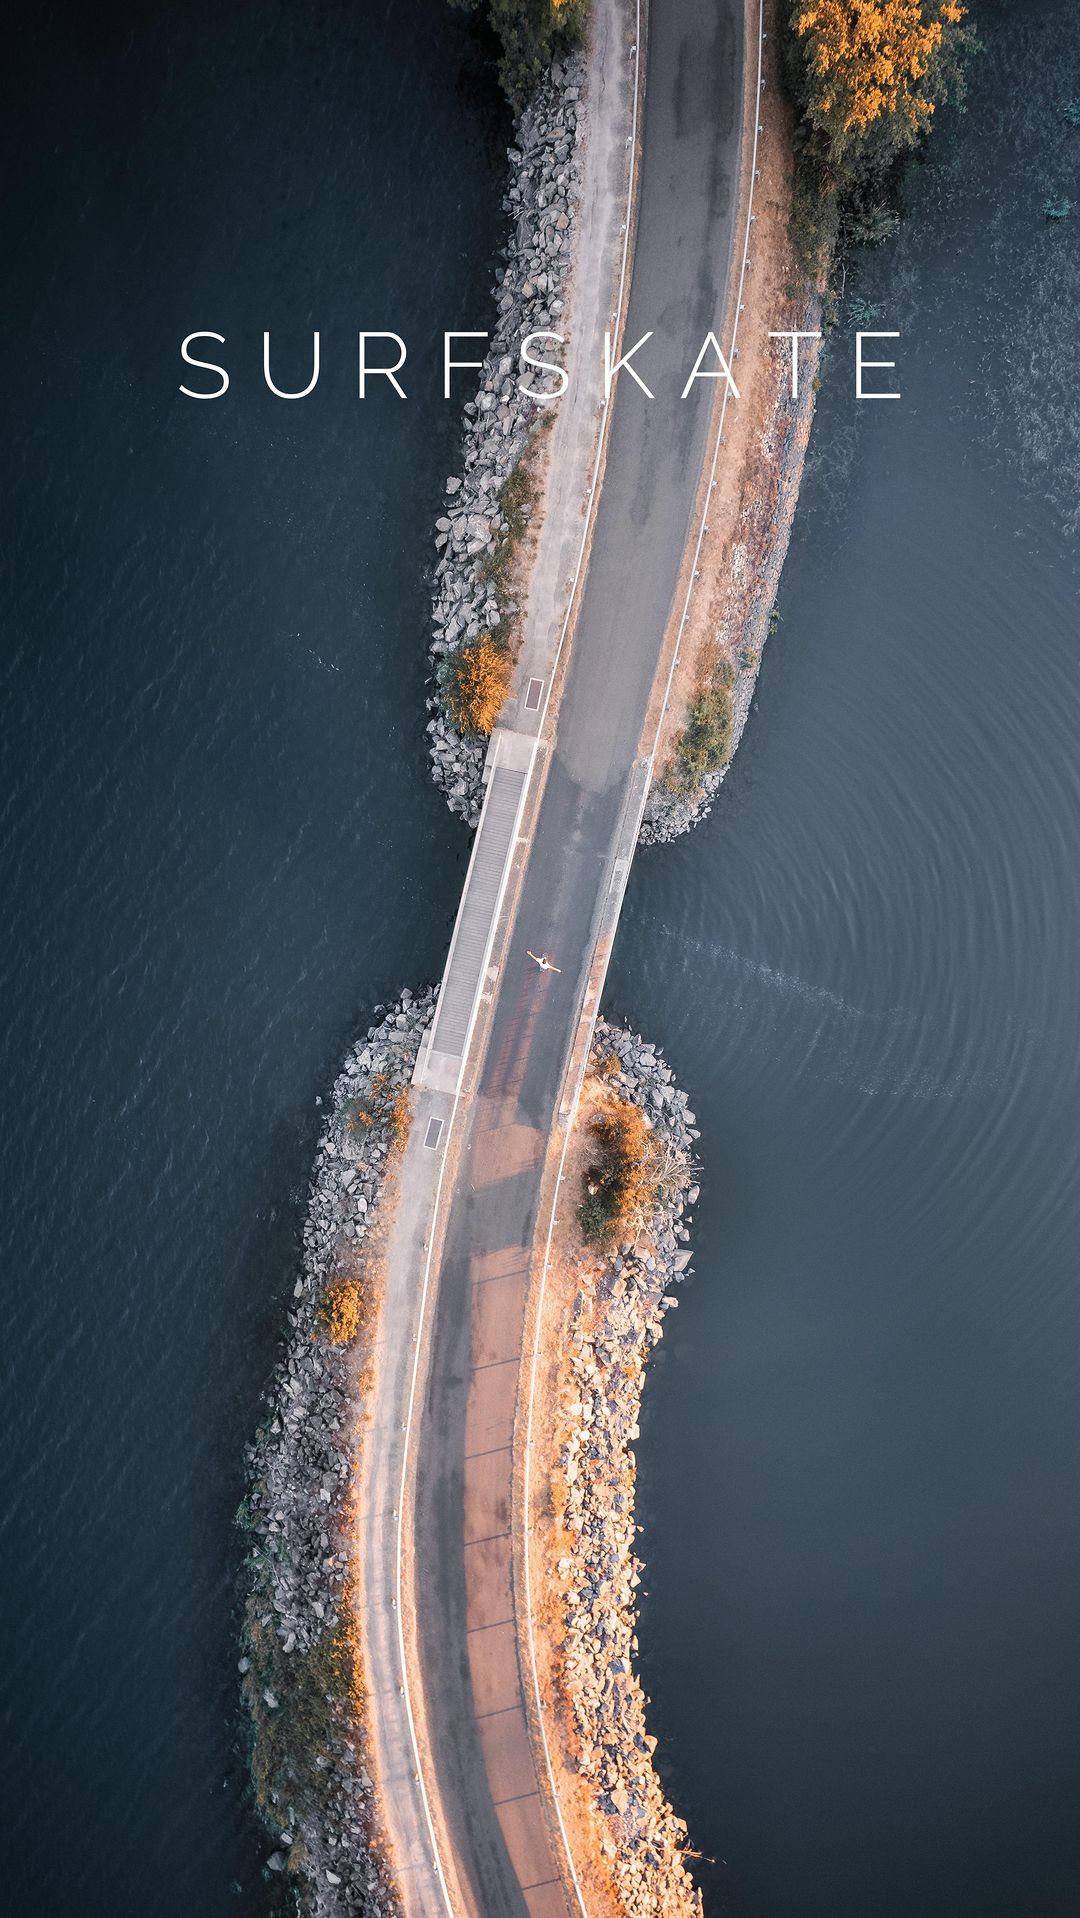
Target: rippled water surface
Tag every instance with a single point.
(861, 1444)
(220, 848)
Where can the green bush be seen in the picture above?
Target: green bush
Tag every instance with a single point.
(704, 745)
(531, 33)
(594, 1217)
(316, 1693)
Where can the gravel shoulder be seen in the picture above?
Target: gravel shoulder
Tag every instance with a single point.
(751, 509)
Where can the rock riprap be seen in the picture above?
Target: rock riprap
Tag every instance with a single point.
(616, 1319)
(301, 1678)
(471, 593)
(753, 565)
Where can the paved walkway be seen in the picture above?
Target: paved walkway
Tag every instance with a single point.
(399, 1722)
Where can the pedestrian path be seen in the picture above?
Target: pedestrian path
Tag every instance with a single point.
(442, 1056)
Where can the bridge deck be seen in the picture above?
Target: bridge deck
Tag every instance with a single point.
(443, 1052)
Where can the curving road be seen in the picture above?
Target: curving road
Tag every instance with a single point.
(505, 1859)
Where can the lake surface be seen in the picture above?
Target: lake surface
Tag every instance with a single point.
(220, 845)
(221, 850)
(861, 1442)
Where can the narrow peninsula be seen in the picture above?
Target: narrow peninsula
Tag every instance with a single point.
(440, 1637)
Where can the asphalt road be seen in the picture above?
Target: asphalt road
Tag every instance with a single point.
(507, 1864)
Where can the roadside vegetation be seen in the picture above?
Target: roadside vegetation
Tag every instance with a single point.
(865, 78)
(516, 496)
(704, 744)
(530, 34)
(318, 1699)
(476, 676)
(344, 1311)
(382, 1106)
(632, 1168)
(622, 1174)
(477, 682)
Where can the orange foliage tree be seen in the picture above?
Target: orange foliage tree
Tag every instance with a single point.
(477, 684)
(872, 61)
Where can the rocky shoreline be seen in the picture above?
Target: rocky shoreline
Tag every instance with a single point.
(302, 1685)
(471, 595)
(616, 1317)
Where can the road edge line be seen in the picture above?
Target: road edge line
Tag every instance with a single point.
(616, 899)
(590, 507)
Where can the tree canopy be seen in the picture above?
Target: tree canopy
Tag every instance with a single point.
(865, 77)
(875, 63)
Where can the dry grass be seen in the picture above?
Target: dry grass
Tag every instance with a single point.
(478, 681)
(622, 1171)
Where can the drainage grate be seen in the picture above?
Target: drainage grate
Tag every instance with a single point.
(533, 692)
(433, 1133)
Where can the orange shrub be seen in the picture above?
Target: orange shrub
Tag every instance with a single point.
(622, 1175)
(477, 684)
(381, 1106)
(872, 60)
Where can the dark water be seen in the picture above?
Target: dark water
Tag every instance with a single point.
(220, 847)
(861, 1445)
